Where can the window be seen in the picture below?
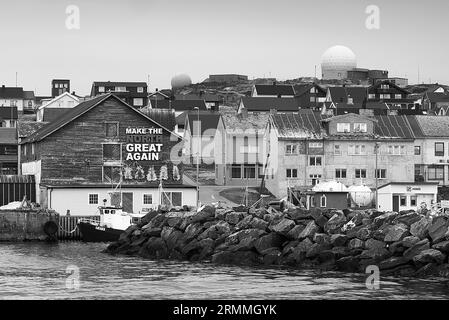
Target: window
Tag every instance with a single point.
(340, 173)
(249, 171)
(396, 150)
(385, 96)
(357, 149)
(384, 86)
(315, 161)
(147, 199)
(398, 96)
(138, 102)
(316, 145)
(371, 96)
(403, 201)
(337, 150)
(439, 149)
(93, 198)
(315, 179)
(291, 149)
(111, 174)
(417, 150)
(360, 173)
(111, 152)
(120, 89)
(381, 173)
(292, 173)
(343, 127)
(236, 171)
(8, 150)
(413, 200)
(435, 172)
(172, 199)
(140, 89)
(100, 89)
(111, 129)
(360, 127)
(312, 99)
(313, 90)
(323, 201)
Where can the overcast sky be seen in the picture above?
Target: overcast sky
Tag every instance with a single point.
(131, 40)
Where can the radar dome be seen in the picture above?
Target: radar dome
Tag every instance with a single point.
(361, 195)
(180, 81)
(336, 62)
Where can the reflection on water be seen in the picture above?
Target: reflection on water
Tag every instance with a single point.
(39, 271)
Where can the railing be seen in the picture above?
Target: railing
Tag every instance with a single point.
(68, 229)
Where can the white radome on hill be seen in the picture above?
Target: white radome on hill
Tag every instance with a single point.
(181, 81)
(336, 62)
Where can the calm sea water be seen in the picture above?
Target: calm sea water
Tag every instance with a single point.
(48, 271)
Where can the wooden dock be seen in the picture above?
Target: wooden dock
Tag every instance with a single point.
(68, 230)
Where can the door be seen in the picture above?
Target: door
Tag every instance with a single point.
(127, 198)
(396, 203)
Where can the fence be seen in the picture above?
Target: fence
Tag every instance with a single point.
(68, 229)
(14, 188)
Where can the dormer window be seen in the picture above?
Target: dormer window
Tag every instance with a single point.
(360, 127)
(343, 127)
(384, 86)
(350, 100)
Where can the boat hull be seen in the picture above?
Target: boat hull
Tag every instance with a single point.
(96, 233)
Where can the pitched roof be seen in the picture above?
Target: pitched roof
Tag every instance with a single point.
(431, 126)
(27, 128)
(119, 84)
(275, 89)
(29, 95)
(268, 103)
(51, 114)
(341, 94)
(393, 127)
(75, 98)
(301, 89)
(165, 117)
(8, 113)
(304, 125)
(438, 97)
(11, 93)
(235, 123)
(208, 120)
(201, 96)
(76, 112)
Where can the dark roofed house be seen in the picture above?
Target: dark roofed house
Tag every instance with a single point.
(12, 97)
(310, 95)
(133, 93)
(345, 94)
(274, 90)
(262, 104)
(437, 103)
(178, 105)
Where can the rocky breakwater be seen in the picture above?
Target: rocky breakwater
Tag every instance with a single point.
(404, 243)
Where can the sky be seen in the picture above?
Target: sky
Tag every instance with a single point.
(153, 40)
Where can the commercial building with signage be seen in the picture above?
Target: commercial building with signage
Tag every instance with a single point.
(104, 151)
(400, 196)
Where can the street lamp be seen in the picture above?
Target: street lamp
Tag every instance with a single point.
(197, 158)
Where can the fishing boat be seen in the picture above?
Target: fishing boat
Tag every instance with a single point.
(113, 222)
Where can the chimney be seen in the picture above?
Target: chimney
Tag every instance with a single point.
(3, 86)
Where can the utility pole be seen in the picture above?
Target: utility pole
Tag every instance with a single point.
(376, 150)
(197, 159)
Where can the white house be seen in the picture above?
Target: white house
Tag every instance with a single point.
(63, 101)
(398, 196)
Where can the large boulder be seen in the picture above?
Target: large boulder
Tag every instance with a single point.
(385, 218)
(271, 240)
(396, 232)
(410, 241)
(318, 216)
(376, 253)
(419, 228)
(438, 228)
(298, 213)
(392, 262)
(374, 244)
(154, 248)
(416, 249)
(428, 256)
(407, 217)
(397, 248)
(316, 249)
(283, 226)
(294, 233)
(234, 217)
(338, 240)
(363, 233)
(245, 223)
(257, 223)
(193, 230)
(151, 232)
(205, 213)
(442, 246)
(355, 244)
(335, 223)
(309, 231)
(348, 264)
(322, 238)
(246, 238)
(271, 256)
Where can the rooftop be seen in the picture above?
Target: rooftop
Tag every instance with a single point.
(266, 104)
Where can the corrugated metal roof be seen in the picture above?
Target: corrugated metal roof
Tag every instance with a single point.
(301, 125)
(266, 104)
(393, 127)
(432, 126)
(8, 135)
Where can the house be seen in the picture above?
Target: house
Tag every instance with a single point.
(390, 93)
(199, 134)
(307, 148)
(310, 95)
(399, 196)
(11, 97)
(56, 107)
(179, 106)
(104, 151)
(431, 148)
(263, 104)
(8, 141)
(240, 149)
(273, 90)
(346, 94)
(158, 95)
(366, 108)
(212, 101)
(59, 86)
(133, 93)
(29, 101)
(436, 103)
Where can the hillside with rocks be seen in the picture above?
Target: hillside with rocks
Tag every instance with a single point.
(405, 243)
